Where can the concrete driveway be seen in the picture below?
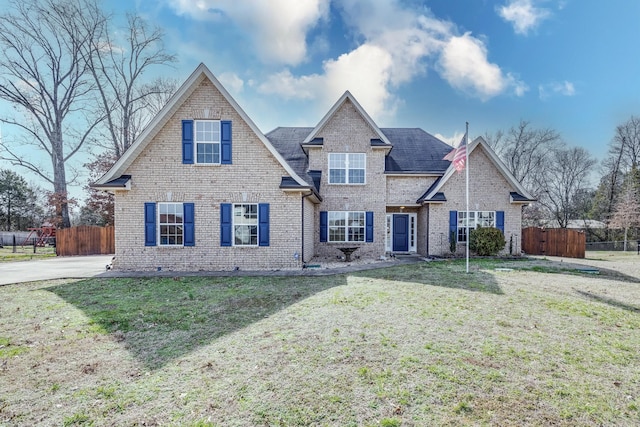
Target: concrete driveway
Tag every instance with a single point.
(76, 267)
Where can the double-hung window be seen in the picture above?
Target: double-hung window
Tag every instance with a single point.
(245, 224)
(207, 141)
(347, 168)
(476, 219)
(346, 226)
(171, 224)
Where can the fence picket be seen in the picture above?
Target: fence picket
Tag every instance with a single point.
(553, 242)
(85, 240)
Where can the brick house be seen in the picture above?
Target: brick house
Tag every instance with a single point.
(203, 189)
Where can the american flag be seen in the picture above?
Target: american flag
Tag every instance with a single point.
(458, 156)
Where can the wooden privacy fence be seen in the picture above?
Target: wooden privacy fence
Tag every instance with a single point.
(554, 242)
(85, 240)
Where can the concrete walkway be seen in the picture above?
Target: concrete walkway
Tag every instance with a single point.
(76, 267)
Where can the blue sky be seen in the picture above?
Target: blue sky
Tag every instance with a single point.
(571, 65)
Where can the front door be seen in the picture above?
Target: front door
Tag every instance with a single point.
(400, 233)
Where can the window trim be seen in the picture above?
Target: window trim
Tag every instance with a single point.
(347, 168)
(160, 224)
(196, 142)
(476, 222)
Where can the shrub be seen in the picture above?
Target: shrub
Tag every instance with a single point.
(487, 241)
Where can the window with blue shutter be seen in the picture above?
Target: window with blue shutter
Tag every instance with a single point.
(500, 221)
(189, 224)
(226, 225)
(149, 224)
(263, 224)
(324, 226)
(187, 142)
(453, 225)
(369, 232)
(225, 142)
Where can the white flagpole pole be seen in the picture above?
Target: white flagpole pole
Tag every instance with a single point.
(466, 167)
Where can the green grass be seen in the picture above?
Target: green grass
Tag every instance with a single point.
(25, 253)
(413, 345)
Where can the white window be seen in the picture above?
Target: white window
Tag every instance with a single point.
(245, 224)
(476, 219)
(346, 226)
(347, 168)
(171, 224)
(207, 141)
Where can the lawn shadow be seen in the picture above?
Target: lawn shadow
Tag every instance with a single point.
(575, 267)
(447, 274)
(609, 301)
(160, 319)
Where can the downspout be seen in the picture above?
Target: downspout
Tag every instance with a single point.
(304, 196)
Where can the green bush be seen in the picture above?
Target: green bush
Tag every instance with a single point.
(486, 241)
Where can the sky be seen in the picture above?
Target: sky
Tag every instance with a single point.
(569, 65)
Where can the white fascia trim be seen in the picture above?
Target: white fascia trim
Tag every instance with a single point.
(332, 111)
(496, 161)
(161, 118)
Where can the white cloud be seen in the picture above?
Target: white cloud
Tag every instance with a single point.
(395, 46)
(278, 28)
(523, 15)
(364, 72)
(232, 81)
(565, 88)
(453, 141)
(465, 66)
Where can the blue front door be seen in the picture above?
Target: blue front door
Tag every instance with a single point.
(401, 233)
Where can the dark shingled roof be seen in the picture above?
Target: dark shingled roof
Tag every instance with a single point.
(414, 150)
(517, 197)
(121, 181)
(287, 141)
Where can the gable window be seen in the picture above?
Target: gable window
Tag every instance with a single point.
(476, 219)
(346, 226)
(245, 224)
(207, 141)
(347, 168)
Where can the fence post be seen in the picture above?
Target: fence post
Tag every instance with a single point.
(14, 243)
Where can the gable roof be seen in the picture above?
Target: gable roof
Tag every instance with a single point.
(346, 96)
(176, 101)
(523, 194)
(415, 151)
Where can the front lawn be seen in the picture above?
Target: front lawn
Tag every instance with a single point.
(528, 344)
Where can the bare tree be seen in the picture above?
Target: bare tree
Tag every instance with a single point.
(526, 151)
(118, 69)
(43, 73)
(627, 212)
(566, 179)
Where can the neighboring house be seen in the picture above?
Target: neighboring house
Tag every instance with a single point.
(203, 189)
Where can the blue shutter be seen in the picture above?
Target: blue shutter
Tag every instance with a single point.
(263, 224)
(453, 223)
(187, 142)
(500, 221)
(369, 222)
(189, 224)
(225, 225)
(324, 226)
(225, 142)
(149, 224)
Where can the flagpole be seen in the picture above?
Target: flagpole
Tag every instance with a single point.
(466, 167)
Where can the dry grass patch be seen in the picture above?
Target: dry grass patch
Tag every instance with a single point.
(413, 345)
